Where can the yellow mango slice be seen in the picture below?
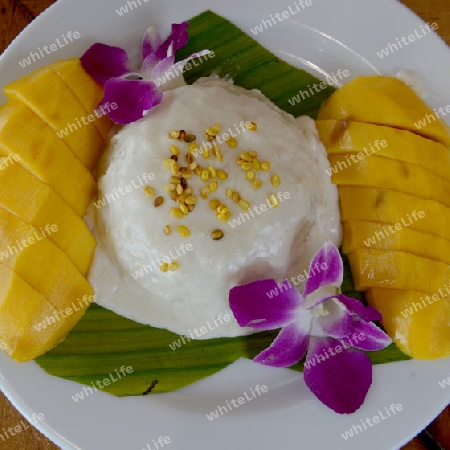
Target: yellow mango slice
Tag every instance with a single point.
(45, 93)
(28, 252)
(86, 90)
(375, 171)
(360, 234)
(385, 101)
(418, 323)
(37, 204)
(363, 139)
(22, 133)
(391, 207)
(22, 312)
(397, 270)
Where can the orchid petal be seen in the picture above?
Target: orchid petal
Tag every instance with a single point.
(367, 313)
(340, 381)
(337, 323)
(178, 38)
(103, 62)
(148, 65)
(163, 67)
(150, 42)
(328, 257)
(287, 349)
(265, 305)
(367, 336)
(131, 97)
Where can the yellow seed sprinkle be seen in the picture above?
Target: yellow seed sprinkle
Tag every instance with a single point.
(177, 213)
(244, 204)
(184, 209)
(169, 187)
(222, 175)
(236, 197)
(174, 134)
(208, 137)
(168, 163)
(193, 146)
(189, 158)
(193, 166)
(217, 235)
(175, 150)
(231, 142)
(183, 231)
(273, 200)
(189, 191)
(245, 156)
(257, 184)
(168, 230)
(198, 170)
(174, 266)
(174, 195)
(214, 204)
(241, 161)
(250, 175)
(189, 137)
(182, 198)
(164, 267)
(213, 186)
(217, 152)
(214, 130)
(159, 201)
(191, 207)
(253, 154)
(179, 189)
(204, 176)
(247, 166)
(265, 166)
(224, 216)
(206, 153)
(175, 180)
(229, 192)
(212, 171)
(204, 192)
(252, 126)
(149, 191)
(222, 209)
(191, 200)
(256, 164)
(175, 169)
(275, 180)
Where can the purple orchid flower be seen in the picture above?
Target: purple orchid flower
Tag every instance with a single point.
(136, 92)
(331, 329)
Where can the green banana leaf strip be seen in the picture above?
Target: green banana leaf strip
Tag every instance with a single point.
(103, 342)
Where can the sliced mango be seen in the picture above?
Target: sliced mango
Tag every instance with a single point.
(397, 270)
(391, 207)
(385, 101)
(375, 171)
(360, 234)
(419, 323)
(43, 154)
(45, 93)
(26, 251)
(364, 139)
(36, 203)
(28, 322)
(86, 90)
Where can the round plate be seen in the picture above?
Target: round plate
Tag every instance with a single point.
(326, 36)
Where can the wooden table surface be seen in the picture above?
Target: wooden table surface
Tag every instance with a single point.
(16, 15)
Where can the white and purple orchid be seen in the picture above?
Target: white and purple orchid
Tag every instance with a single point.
(136, 92)
(331, 329)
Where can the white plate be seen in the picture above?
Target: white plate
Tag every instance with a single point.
(327, 36)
